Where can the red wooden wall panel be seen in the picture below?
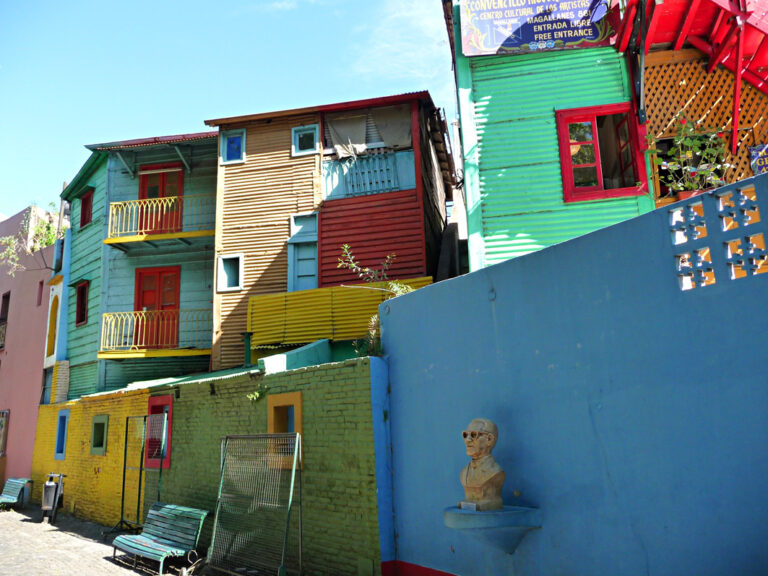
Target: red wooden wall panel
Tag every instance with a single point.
(373, 226)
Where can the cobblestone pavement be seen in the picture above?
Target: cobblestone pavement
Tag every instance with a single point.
(71, 547)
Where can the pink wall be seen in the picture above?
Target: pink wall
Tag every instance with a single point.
(21, 360)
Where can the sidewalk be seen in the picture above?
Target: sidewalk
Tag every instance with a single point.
(71, 547)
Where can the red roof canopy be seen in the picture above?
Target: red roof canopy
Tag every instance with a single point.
(730, 32)
(719, 28)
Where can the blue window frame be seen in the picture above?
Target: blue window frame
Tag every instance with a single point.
(61, 435)
(305, 140)
(302, 253)
(233, 146)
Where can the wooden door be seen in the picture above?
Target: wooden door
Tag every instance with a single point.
(157, 300)
(164, 184)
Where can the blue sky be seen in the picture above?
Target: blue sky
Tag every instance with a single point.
(82, 72)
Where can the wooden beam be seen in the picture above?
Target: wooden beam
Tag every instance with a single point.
(687, 23)
(653, 23)
(722, 48)
(737, 87)
(756, 81)
(625, 30)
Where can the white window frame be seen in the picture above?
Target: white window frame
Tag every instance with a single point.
(225, 134)
(297, 131)
(221, 276)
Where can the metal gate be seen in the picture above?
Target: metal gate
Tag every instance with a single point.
(256, 529)
(142, 435)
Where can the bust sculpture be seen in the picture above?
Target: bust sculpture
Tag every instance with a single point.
(482, 478)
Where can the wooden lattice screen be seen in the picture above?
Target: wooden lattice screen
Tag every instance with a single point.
(677, 81)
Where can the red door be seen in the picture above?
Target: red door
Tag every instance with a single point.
(157, 298)
(164, 184)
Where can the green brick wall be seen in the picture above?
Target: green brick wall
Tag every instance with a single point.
(341, 532)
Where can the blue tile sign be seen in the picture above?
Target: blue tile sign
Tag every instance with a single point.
(758, 158)
(522, 26)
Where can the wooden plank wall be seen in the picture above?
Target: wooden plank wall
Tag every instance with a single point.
(87, 254)
(374, 226)
(254, 204)
(678, 81)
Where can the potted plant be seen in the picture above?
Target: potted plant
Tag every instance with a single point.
(694, 162)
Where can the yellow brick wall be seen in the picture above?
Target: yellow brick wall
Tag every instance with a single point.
(92, 488)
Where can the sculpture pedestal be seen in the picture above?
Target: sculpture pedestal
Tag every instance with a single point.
(503, 529)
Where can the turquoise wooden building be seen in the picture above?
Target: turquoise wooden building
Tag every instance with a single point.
(552, 146)
(141, 272)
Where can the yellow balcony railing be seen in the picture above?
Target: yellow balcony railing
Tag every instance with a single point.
(336, 313)
(171, 215)
(156, 333)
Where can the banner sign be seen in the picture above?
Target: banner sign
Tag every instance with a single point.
(522, 26)
(758, 158)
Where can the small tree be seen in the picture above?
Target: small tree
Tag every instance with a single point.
(34, 234)
(371, 345)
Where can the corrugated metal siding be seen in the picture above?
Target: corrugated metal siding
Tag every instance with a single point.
(257, 200)
(520, 181)
(373, 226)
(337, 313)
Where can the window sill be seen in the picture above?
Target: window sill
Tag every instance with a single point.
(231, 162)
(593, 195)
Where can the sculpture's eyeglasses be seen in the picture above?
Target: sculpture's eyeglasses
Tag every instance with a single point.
(473, 434)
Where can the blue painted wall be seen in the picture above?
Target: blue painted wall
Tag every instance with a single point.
(631, 412)
(382, 441)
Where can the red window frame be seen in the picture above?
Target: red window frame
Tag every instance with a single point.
(81, 300)
(167, 221)
(572, 193)
(86, 208)
(157, 405)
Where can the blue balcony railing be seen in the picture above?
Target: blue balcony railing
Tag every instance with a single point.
(369, 174)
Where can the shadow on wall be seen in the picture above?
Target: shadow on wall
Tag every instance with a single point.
(234, 308)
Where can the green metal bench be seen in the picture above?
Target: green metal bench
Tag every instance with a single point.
(169, 531)
(12, 491)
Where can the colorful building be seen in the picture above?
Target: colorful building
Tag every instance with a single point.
(141, 263)
(296, 185)
(131, 300)
(24, 295)
(552, 145)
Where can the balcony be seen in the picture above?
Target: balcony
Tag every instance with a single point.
(154, 220)
(156, 334)
(337, 313)
(370, 174)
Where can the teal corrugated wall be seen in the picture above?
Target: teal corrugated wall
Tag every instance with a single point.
(519, 179)
(86, 263)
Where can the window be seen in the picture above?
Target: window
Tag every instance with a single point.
(302, 253)
(99, 434)
(156, 182)
(305, 140)
(81, 308)
(61, 434)
(232, 146)
(158, 434)
(86, 208)
(4, 416)
(40, 286)
(4, 306)
(229, 273)
(599, 156)
(284, 415)
(53, 321)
